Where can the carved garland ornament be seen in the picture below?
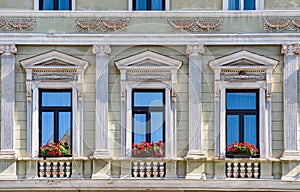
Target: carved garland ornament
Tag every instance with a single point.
(101, 24)
(17, 24)
(196, 25)
(281, 23)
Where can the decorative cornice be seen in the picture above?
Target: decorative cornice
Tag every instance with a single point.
(8, 49)
(101, 50)
(17, 24)
(195, 50)
(291, 49)
(195, 24)
(101, 24)
(281, 23)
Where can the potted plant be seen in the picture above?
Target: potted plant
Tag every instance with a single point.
(145, 149)
(241, 150)
(55, 150)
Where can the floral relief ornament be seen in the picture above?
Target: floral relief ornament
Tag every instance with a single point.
(17, 24)
(196, 24)
(281, 23)
(101, 24)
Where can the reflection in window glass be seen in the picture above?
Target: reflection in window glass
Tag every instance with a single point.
(156, 122)
(64, 131)
(56, 99)
(139, 128)
(147, 99)
(47, 127)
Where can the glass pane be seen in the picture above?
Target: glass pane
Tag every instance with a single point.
(141, 4)
(232, 129)
(139, 128)
(63, 5)
(241, 100)
(250, 129)
(233, 4)
(47, 128)
(156, 5)
(48, 4)
(146, 99)
(157, 120)
(64, 127)
(57, 99)
(249, 4)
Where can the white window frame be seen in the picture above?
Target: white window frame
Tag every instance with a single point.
(36, 6)
(130, 4)
(259, 5)
(54, 70)
(138, 72)
(258, 75)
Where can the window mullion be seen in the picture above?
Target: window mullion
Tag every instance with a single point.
(56, 126)
(148, 126)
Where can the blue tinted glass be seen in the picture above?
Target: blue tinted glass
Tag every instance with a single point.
(232, 128)
(233, 4)
(61, 99)
(47, 127)
(64, 127)
(241, 100)
(145, 99)
(250, 129)
(156, 126)
(48, 4)
(156, 5)
(63, 5)
(139, 128)
(249, 4)
(141, 4)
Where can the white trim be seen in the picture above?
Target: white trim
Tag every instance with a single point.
(167, 4)
(259, 5)
(36, 5)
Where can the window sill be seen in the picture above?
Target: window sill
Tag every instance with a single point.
(52, 158)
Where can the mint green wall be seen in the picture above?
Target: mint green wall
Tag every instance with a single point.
(101, 5)
(16, 4)
(195, 4)
(282, 5)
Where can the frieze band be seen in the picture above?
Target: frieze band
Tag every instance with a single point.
(195, 24)
(101, 24)
(281, 24)
(17, 24)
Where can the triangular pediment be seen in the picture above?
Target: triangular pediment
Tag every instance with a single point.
(148, 59)
(54, 60)
(243, 60)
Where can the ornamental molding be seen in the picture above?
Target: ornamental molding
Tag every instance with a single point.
(8, 49)
(17, 24)
(195, 24)
(101, 24)
(291, 49)
(281, 23)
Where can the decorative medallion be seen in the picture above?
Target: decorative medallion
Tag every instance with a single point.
(101, 24)
(17, 24)
(196, 25)
(281, 24)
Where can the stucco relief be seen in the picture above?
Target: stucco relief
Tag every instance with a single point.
(101, 24)
(17, 24)
(196, 24)
(281, 24)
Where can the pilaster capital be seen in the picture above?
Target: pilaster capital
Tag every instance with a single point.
(8, 49)
(101, 50)
(195, 50)
(291, 49)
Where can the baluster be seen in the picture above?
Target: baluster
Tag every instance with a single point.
(61, 169)
(256, 170)
(54, 169)
(229, 170)
(242, 170)
(68, 168)
(249, 170)
(161, 169)
(135, 169)
(148, 169)
(142, 169)
(155, 169)
(236, 170)
(42, 169)
(48, 169)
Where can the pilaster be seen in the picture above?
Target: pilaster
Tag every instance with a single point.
(101, 125)
(195, 53)
(7, 100)
(291, 149)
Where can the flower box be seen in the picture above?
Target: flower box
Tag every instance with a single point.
(241, 150)
(145, 149)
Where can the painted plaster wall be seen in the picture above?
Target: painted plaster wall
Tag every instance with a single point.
(195, 5)
(282, 5)
(101, 5)
(16, 4)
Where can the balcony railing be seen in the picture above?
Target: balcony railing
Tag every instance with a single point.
(243, 169)
(148, 169)
(55, 168)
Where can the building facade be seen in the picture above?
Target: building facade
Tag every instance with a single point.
(186, 78)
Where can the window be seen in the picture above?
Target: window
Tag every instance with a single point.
(153, 5)
(242, 116)
(55, 116)
(55, 4)
(148, 116)
(243, 4)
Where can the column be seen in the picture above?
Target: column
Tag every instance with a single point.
(7, 100)
(290, 53)
(101, 124)
(195, 53)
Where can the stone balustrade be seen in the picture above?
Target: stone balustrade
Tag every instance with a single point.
(55, 168)
(148, 169)
(243, 169)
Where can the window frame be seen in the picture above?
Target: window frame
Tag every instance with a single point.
(37, 5)
(149, 6)
(56, 110)
(259, 5)
(242, 112)
(166, 8)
